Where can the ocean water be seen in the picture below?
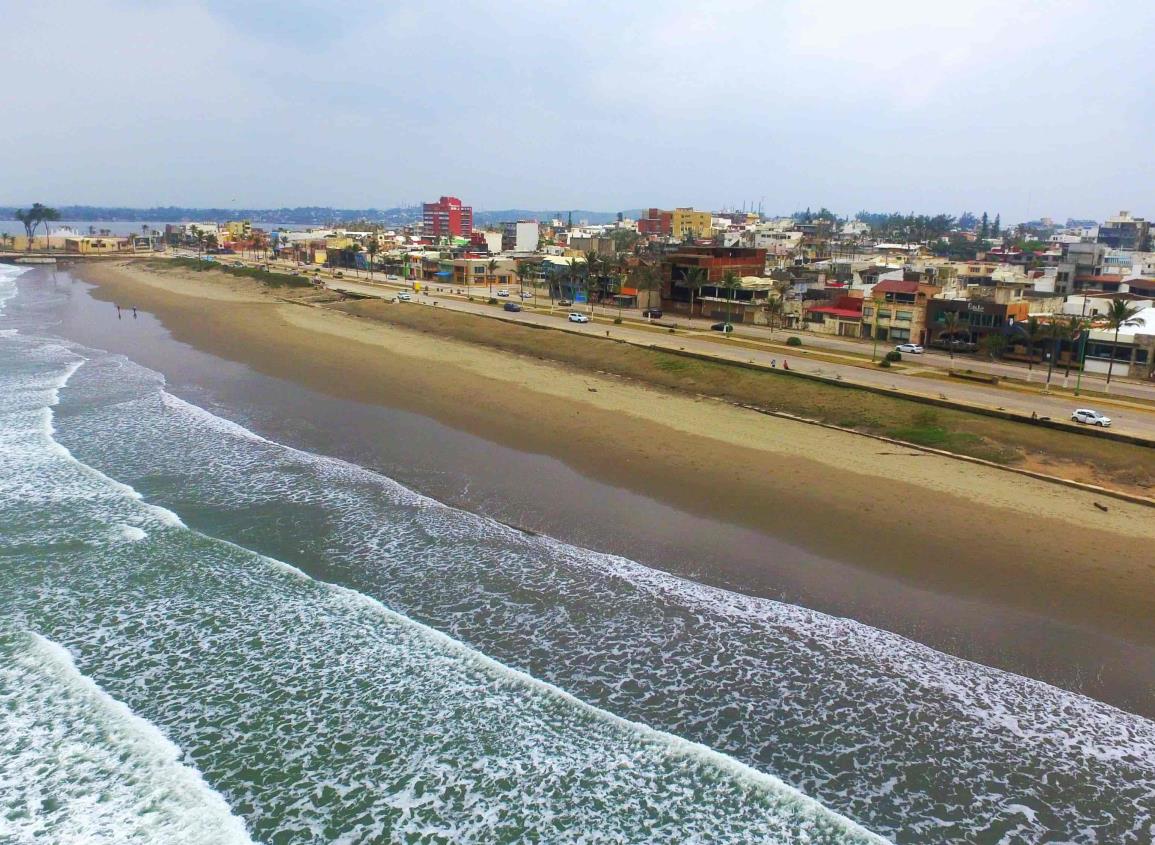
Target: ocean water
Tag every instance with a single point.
(443, 677)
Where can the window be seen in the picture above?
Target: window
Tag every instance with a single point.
(904, 316)
(867, 312)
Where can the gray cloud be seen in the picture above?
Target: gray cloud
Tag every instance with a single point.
(1019, 108)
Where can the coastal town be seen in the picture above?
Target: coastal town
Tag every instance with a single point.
(1075, 297)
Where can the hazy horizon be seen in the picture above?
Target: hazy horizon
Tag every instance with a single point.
(892, 106)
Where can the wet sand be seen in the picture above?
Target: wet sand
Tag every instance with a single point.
(981, 563)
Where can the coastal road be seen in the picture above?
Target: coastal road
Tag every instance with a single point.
(1134, 420)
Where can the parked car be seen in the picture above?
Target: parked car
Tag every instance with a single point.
(1088, 417)
(526, 295)
(503, 292)
(404, 297)
(912, 348)
(652, 313)
(512, 306)
(238, 264)
(722, 327)
(575, 317)
(564, 303)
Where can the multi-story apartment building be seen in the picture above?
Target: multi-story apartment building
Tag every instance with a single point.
(896, 311)
(446, 218)
(681, 223)
(1124, 231)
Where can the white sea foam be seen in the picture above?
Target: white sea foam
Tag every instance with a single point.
(79, 768)
(914, 742)
(275, 685)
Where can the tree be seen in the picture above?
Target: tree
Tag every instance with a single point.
(993, 345)
(521, 269)
(1121, 314)
(775, 308)
(48, 215)
(30, 219)
(372, 247)
(731, 282)
(1073, 330)
(951, 324)
(997, 229)
(491, 272)
(985, 227)
(1032, 332)
(647, 281)
(1054, 332)
(695, 279)
(593, 280)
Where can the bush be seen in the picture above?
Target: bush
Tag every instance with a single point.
(894, 355)
(493, 300)
(885, 362)
(793, 340)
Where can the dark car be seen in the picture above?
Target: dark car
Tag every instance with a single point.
(564, 303)
(722, 327)
(652, 313)
(512, 306)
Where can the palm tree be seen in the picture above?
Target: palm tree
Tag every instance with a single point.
(593, 279)
(372, 247)
(951, 324)
(1073, 330)
(521, 269)
(647, 281)
(1121, 314)
(48, 215)
(1054, 332)
(1033, 332)
(775, 308)
(695, 279)
(490, 272)
(731, 282)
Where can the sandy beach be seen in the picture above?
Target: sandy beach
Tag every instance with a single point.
(943, 525)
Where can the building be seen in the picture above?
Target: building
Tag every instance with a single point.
(446, 218)
(1125, 232)
(842, 317)
(715, 261)
(897, 311)
(87, 245)
(656, 222)
(687, 224)
(520, 236)
(239, 230)
(682, 224)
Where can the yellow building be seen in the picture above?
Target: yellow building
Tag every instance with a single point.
(687, 223)
(239, 230)
(91, 245)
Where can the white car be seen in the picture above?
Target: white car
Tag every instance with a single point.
(911, 348)
(1088, 417)
(525, 295)
(503, 292)
(575, 317)
(404, 297)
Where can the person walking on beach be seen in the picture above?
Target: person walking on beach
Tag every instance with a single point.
(134, 312)
(118, 312)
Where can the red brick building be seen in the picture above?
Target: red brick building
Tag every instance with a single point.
(447, 218)
(656, 222)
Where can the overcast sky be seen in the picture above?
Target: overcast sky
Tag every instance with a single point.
(1022, 108)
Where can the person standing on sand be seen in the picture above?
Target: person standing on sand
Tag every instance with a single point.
(134, 312)
(118, 312)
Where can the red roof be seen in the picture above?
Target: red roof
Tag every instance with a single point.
(849, 313)
(845, 306)
(895, 286)
(1106, 277)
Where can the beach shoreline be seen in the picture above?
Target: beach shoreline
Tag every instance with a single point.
(971, 532)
